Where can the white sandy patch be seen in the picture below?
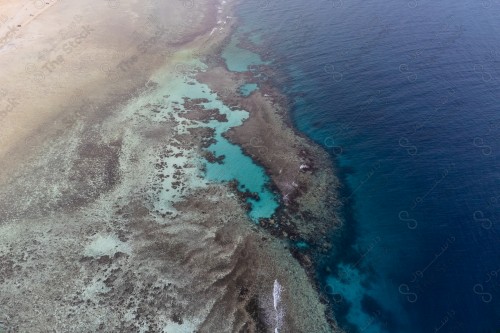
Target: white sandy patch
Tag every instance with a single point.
(94, 289)
(185, 327)
(106, 245)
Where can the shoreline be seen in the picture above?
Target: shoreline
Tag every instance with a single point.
(40, 84)
(275, 104)
(283, 224)
(107, 220)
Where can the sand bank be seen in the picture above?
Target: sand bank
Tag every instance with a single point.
(61, 58)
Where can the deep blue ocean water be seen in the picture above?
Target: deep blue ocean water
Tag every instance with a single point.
(405, 95)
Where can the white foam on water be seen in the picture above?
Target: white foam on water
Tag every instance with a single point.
(278, 308)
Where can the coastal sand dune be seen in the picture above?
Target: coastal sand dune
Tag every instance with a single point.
(87, 133)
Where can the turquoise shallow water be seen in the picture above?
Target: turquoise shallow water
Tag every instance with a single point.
(236, 165)
(238, 59)
(239, 166)
(248, 88)
(250, 176)
(405, 96)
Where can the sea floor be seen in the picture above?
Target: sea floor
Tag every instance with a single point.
(121, 213)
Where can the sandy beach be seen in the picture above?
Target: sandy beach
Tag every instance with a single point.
(108, 220)
(57, 54)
